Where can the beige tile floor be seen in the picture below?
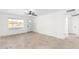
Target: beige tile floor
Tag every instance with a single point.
(37, 41)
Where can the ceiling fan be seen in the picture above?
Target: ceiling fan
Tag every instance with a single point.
(30, 13)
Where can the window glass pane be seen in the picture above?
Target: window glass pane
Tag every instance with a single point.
(15, 23)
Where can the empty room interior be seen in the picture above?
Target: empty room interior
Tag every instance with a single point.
(39, 28)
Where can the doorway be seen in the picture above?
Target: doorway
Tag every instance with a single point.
(74, 25)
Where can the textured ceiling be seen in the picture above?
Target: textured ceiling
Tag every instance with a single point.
(47, 11)
(37, 11)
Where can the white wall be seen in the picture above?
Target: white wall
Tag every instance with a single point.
(4, 24)
(52, 24)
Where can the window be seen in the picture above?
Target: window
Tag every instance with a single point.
(15, 23)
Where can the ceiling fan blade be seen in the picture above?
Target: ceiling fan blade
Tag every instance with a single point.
(71, 10)
(34, 14)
